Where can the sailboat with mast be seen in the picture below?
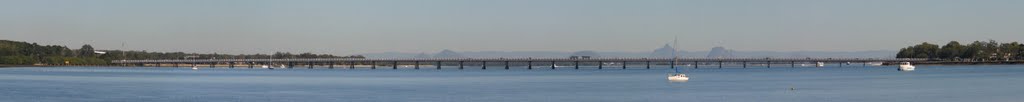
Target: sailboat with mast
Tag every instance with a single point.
(676, 75)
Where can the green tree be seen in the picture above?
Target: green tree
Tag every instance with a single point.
(953, 49)
(86, 51)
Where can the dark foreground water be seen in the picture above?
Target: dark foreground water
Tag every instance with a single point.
(1002, 83)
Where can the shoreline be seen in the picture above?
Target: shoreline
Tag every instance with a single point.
(225, 65)
(969, 63)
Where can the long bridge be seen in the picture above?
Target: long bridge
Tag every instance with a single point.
(529, 63)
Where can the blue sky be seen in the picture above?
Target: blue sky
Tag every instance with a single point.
(368, 26)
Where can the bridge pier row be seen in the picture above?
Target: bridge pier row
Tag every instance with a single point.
(213, 64)
(417, 66)
(231, 64)
(462, 65)
(309, 65)
(291, 65)
(373, 64)
(394, 65)
(529, 64)
(600, 65)
(330, 65)
(769, 64)
(840, 64)
(864, 64)
(438, 65)
(506, 65)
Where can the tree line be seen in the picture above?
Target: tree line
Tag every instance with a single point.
(975, 51)
(24, 53)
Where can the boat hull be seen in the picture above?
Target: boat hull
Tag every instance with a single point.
(678, 78)
(906, 68)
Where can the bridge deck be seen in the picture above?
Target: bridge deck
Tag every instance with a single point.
(318, 60)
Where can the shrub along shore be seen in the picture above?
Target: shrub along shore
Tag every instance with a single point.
(16, 53)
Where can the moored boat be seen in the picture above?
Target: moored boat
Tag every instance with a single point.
(906, 66)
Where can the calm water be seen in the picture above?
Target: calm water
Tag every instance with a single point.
(996, 83)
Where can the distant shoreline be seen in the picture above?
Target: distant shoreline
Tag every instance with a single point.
(916, 63)
(969, 63)
(7, 66)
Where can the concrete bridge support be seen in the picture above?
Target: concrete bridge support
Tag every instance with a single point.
(553, 65)
(529, 64)
(577, 64)
(648, 64)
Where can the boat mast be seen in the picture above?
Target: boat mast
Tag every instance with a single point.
(675, 58)
(123, 51)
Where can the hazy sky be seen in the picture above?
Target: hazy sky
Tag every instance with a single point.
(366, 26)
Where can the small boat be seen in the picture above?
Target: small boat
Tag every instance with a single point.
(282, 66)
(678, 77)
(874, 63)
(820, 64)
(906, 66)
(195, 68)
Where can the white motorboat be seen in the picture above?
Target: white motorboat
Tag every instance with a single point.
(195, 68)
(678, 77)
(820, 64)
(906, 66)
(265, 66)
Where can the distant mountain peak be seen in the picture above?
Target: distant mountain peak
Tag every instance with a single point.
(422, 55)
(448, 54)
(664, 51)
(720, 52)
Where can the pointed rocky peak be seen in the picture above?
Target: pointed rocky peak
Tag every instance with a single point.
(447, 54)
